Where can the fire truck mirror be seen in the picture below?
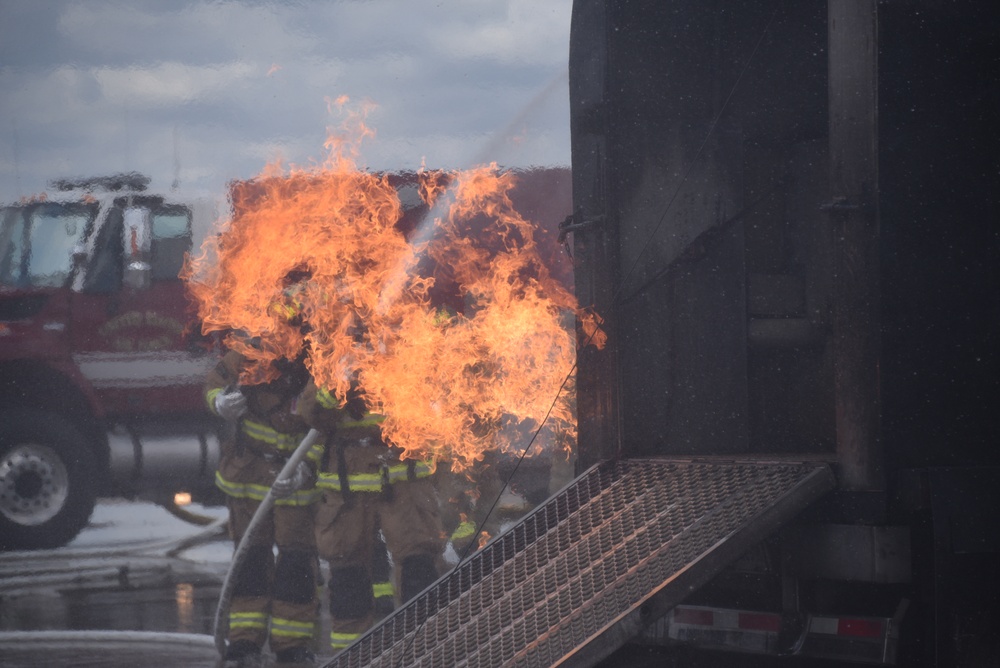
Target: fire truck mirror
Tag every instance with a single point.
(137, 232)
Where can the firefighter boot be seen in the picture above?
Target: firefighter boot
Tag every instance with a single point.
(242, 654)
(296, 657)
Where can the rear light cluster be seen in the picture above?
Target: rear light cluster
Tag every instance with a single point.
(848, 638)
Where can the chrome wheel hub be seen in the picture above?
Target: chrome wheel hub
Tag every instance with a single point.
(34, 484)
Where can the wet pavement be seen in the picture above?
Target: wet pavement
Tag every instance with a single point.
(106, 650)
(138, 587)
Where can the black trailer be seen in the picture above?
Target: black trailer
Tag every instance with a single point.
(787, 214)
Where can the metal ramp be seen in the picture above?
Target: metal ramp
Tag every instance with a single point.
(586, 571)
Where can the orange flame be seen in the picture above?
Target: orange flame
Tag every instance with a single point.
(452, 382)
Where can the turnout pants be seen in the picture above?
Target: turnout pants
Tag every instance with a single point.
(275, 597)
(408, 513)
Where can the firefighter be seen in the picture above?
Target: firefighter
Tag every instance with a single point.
(500, 486)
(467, 498)
(365, 486)
(274, 599)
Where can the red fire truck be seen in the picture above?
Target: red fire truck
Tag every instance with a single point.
(100, 369)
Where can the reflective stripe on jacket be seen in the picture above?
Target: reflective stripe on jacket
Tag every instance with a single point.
(273, 439)
(374, 482)
(256, 492)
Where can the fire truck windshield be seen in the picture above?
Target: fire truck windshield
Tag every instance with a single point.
(37, 243)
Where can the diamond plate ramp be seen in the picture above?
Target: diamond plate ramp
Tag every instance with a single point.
(584, 572)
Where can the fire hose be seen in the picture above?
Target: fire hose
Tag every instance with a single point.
(226, 595)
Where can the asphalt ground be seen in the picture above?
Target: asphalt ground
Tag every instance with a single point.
(137, 587)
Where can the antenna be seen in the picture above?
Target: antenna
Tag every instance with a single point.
(128, 139)
(17, 163)
(177, 163)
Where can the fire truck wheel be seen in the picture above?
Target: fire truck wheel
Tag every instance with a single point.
(47, 474)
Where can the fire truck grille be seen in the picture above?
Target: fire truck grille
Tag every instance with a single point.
(593, 565)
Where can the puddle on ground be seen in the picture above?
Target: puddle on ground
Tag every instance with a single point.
(181, 608)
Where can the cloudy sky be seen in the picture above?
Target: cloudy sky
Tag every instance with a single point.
(195, 93)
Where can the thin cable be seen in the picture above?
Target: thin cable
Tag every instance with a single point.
(524, 451)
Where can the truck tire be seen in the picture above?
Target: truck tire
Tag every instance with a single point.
(47, 474)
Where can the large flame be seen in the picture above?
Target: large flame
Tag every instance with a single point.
(450, 325)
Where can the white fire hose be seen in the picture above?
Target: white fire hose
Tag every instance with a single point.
(226, 595)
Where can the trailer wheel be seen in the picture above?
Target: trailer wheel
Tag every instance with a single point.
(47, 472)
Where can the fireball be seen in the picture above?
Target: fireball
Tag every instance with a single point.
(447, 322)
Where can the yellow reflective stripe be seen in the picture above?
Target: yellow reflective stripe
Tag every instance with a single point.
(302, 497)
(342, 640)
(369, 420)
(380, 589)
(315, 453)
(328, 481)
(247, 615)
(265, 434)
(210, 398)
(256, 492)
(289, 633)
(290, 628)
(247, 620)
(365, 482)
(372, 482)
(398, 472)
(358, 482)
(285, 311)
(464, 530)
(325, 399)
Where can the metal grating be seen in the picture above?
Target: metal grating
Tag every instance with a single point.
(580, 575)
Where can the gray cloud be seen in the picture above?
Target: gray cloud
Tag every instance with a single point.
(208, 91)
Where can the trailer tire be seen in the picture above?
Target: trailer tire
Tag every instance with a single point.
(47, 477)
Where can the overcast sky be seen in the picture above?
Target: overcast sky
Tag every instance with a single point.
(196, 93)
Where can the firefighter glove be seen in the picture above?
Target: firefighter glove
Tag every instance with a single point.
(300, 478)
(230, 405)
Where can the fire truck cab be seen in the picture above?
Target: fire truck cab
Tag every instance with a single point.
(100, 370)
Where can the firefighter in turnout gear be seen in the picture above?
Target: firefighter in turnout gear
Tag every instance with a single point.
(274, 599)
(468, 497)
(366, 486)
